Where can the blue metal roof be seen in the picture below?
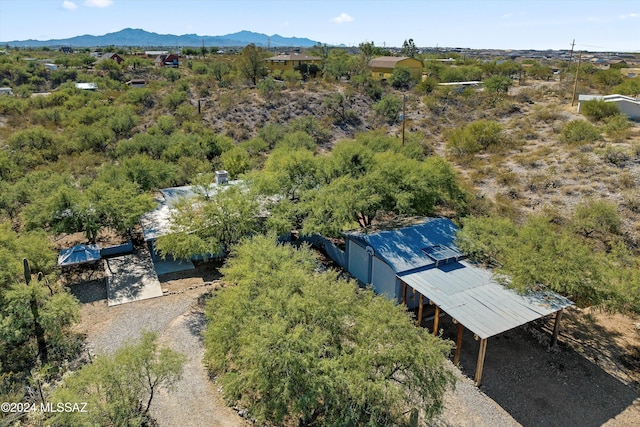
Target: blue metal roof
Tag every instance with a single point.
(419, 256)
(404, 248)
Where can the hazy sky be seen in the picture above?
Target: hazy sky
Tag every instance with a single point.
(612, 25)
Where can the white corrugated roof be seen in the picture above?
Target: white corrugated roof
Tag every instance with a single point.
(470, 295)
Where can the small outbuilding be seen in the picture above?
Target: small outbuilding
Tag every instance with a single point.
(382, 67)
(419, 264)
(137, 83)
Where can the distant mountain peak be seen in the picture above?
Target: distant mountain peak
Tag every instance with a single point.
(140, 37)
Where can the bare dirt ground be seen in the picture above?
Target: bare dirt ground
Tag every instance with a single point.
(592, 378)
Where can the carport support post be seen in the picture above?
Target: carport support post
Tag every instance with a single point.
(404, 293)
(420, 310)
(480, 365)
(436, 318)
(456, 357)
(556, 328)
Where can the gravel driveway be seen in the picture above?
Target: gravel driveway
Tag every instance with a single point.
(196, 401)
(176, 319)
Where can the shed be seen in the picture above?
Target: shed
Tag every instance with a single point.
(419, 264)
(627, 105)
(382, 67)
(6, 91)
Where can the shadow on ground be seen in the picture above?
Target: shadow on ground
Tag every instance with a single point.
(89, 291)
(542, 387)
(206, 271)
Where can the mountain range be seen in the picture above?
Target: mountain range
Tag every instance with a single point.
(142, 38)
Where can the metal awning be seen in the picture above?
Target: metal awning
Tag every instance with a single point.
(472, 297)
(79, 254)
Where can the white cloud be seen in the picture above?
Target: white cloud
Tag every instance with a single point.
(507, 15)
(630, 16)
(342, 18)
(69, 5)
(98, 3)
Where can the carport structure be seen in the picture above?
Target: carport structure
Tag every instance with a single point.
(419, 263)
(475, 301)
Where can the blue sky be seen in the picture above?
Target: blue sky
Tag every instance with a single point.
(602, 25)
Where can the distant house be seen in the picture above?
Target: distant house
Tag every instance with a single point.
(66, 49)
(291, 61)
(627, 105)
(382, 67)
(51, 67)
(86, 86)
(170, 60)
(630, 72)
(6, 91)
(619, 63)
(113, 57)
(600, 63)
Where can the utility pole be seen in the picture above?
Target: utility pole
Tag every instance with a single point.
(404, 102)
(571, 54)
(575, 84)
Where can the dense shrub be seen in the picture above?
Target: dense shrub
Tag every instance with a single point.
(389, 108)
(401, 78)
(617, 127)
(328, 354)
(597, 109)
(579, 132)
(475, 137)
(630, 87)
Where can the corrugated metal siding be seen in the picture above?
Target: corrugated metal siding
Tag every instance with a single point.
(384, 279)
(359, 262)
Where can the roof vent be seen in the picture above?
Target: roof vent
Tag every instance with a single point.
(443, 253)
(222, 177)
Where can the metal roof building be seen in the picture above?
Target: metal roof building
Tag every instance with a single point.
(420, 264)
